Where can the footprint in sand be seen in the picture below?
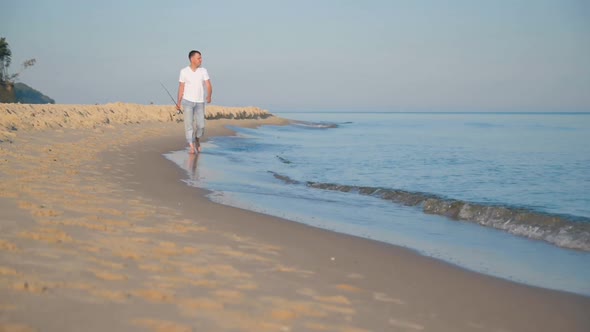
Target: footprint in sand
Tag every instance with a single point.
(108, 276)
(406, 324)
(348, 288)
(386, 298)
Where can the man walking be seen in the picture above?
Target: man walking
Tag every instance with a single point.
(191, 96)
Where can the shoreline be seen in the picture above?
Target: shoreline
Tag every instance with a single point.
(240, 172)
(510, 273)
(153, 253)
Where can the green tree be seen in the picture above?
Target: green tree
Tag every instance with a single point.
(5, 58)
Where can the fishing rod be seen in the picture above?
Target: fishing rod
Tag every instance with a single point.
(174, 101)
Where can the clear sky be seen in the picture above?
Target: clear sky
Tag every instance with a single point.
(454, 55)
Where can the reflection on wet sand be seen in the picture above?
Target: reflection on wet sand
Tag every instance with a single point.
(191, 166)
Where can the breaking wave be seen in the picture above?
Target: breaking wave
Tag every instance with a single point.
(283, 160)
(561, 230)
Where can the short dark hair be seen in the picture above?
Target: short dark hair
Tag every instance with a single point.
(193, 52)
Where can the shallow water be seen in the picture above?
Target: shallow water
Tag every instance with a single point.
(530, 163)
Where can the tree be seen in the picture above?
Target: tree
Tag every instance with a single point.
(5, 59)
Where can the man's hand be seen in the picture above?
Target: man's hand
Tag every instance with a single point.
(177, 107)
(208, 99)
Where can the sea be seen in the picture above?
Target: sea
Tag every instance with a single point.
(503, 194)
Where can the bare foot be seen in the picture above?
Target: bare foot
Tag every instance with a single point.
(198, 146)
(192, 149)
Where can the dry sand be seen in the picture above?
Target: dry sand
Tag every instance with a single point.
(27, 117)
(97, 232)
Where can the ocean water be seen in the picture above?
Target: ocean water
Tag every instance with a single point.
(505, 194)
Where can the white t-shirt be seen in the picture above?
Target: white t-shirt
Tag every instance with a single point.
(194, 83)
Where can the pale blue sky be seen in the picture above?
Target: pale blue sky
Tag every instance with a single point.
(500, 55)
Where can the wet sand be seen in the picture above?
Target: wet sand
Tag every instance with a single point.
(98, 232)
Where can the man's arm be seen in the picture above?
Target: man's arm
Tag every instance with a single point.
(180, 94)
(209, 90)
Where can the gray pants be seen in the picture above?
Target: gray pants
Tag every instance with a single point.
(194, 120)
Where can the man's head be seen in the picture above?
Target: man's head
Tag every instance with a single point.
(195, 58)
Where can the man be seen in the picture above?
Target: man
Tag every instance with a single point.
(191, 96)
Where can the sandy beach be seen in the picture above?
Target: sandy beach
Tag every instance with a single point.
(98, 232)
